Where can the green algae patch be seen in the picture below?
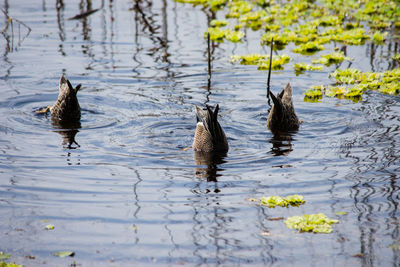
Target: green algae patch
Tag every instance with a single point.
(218, 23)
(396, 57)
(262, 61)
(316, 223)
(315, 92)
(273, 201)
(354, 36)
(379, 37)
(219, 35)
(301, 67)
(63, 254)
(49, 227)
(11, 264)
(4, 256)
(309, 48)
(333, 58)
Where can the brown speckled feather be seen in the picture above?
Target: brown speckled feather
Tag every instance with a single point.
(209, 135)
(67, 106)
(282, 117)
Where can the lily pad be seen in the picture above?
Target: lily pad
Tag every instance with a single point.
(4, 256)
(273, 201)
(63, 254)
(49, 227)
(316, 223)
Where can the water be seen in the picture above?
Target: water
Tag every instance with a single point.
(128, 193)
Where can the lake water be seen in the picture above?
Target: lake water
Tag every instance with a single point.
(127, 193)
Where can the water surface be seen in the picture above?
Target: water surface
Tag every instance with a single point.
(128, 193)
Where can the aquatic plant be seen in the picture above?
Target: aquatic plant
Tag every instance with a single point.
(273, 201)
(218, 23)
(316, 223)
(354, 36)
(9, 264)
(309, 48)
(219, 35)
(315, 92)
(333, 58)
(301, 67)
(262, 61)
(379, 37)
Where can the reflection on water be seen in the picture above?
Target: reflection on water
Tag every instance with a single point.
(68, 132)
(210, 161)
(281, 144)
(129, 193)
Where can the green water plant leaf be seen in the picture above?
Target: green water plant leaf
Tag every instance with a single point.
(379, 37)
(4, 256)
(63, 254)
(309, 48)
(341, 213)
(316, 223)
(333, 58)
(315, 92)
(291, 200)
(49, 227)
(301, 67)
(218, 23)
(9, 264)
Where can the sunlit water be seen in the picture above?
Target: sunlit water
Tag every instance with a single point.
(128, 193)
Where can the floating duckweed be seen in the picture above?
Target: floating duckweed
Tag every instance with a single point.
(333, 91)
(280, 39)
(273, 201)
(348, 76)
(354, 36)
(379, 37)
(4, 256)
(316, 223)
(9, 264)
(262, 61)
(234, 36)
(277, 62)
(396, 57)
(314, 93)
(390, 88)
(250, 59)
(218, 23)
(354, 92)
(216, 4)
(327, 21)
(308, 48)
(218, 34)
(299, 67)
(193, 2)
(333, 58)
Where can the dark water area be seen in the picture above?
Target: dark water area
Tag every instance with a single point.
(127, 193)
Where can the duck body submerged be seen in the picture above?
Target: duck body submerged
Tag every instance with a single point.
(66, 108)
(282, 117)
(209, 135)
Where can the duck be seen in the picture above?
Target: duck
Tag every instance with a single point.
(209, 135)
(282, 118)
(66, 109)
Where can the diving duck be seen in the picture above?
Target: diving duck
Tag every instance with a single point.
(282, 117)
(209, 135)
(66, 108)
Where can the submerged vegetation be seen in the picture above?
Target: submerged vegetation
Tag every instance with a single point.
(311, 27)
